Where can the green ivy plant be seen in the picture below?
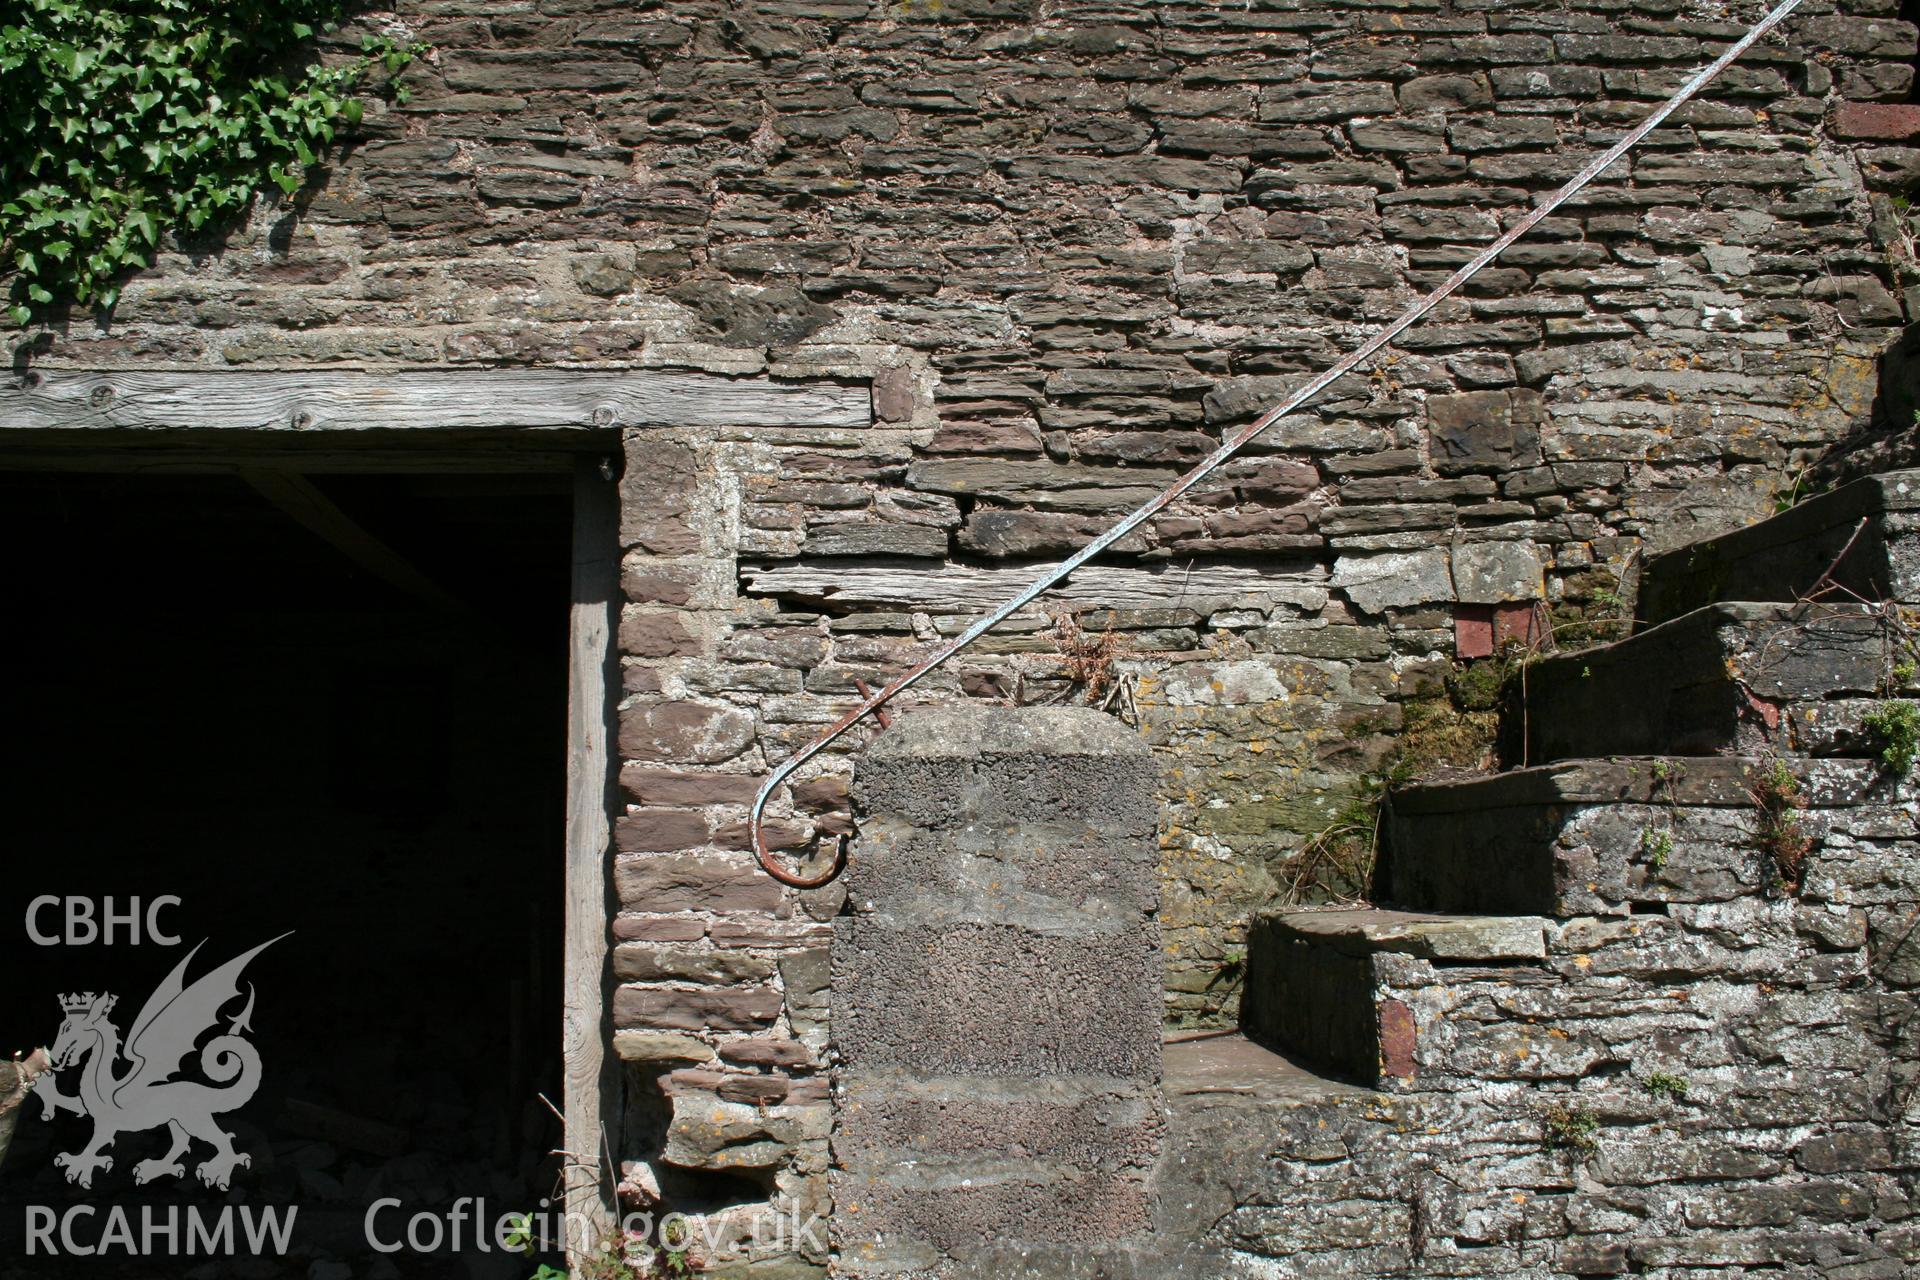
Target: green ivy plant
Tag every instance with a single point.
(120, 122)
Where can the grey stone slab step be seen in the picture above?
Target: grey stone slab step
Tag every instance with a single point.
(1724, 679)
(1612, 837)
(1783, 557)
(1216, 1071)
(1313, 979)
(1232, 1105)
(1366, 931)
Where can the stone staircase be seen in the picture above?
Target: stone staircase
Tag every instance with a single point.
(1644, 1004)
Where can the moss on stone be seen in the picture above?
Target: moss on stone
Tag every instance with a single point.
(1479, 686)
(1443, 733)
(1590, 610)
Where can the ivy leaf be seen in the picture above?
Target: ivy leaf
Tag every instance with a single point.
(126, 122)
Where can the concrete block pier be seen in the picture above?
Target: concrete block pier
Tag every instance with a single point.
(997, 995)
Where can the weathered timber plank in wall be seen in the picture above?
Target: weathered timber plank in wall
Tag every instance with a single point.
(350, 400)
(958, 587)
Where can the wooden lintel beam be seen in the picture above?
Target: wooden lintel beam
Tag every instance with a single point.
(302, 401)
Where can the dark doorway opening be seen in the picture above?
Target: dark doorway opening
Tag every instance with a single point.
(346, 727)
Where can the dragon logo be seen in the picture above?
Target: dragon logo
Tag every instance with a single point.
(143, 1096)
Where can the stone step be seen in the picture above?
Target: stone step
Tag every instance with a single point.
(1231, 1106)
(1412, 1004)
(1724, 679)
(1615, 837)
(1313, 977)
(1783, 557)
(1234, 1107)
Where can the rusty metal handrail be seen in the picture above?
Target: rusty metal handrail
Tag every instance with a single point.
(1230, 446)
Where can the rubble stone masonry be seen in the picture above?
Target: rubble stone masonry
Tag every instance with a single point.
(1066, 243)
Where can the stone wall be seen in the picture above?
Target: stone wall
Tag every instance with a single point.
(1688, 1072)
(1066, 244)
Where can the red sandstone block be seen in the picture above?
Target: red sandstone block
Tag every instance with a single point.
(810, 1089)
(646, 582)
(631, 926)
(768, 933)
(738, 834)
(646, 634)
(679, 786)
(691, 1080)
(893, 396)
(707, 1009)
(1877, 121)
(656, 531)
(684, 732)
(1481, 630)
(828, 791)
(756, 1051)
(1473, 631)
(761, 1091)
(1398, 1037)
(659, 831)
(1516, 621)
(666, 882)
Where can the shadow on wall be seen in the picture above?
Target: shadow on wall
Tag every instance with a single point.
(1890, 438)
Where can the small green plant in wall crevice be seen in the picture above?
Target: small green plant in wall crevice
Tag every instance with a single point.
(1657, 837)
(120, 123)
(1572, 1128)
(1893, 727)
(1665, 1084)
(1780, 797)
(1657, 844)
